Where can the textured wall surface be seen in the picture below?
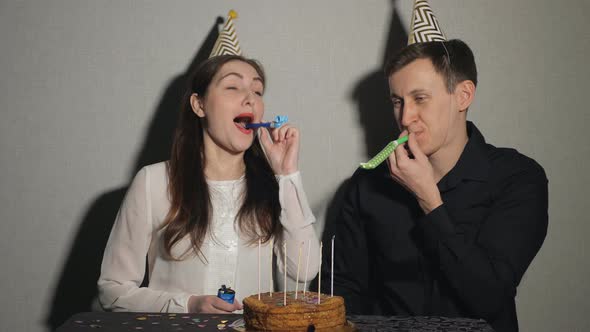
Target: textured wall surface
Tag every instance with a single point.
(89, 93)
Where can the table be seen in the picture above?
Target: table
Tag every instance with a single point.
(147, 322)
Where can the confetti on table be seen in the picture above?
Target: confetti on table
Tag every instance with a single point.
(224, 321)
(141, 318)
(196, 320)
(201, 325)
(238, 325)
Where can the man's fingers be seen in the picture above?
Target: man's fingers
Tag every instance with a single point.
(415, 147)
(392, 163)
(401, 155)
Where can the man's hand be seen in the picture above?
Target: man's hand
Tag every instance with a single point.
(211, 304)
(416, 175)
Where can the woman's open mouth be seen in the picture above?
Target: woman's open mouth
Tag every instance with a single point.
(242, 120)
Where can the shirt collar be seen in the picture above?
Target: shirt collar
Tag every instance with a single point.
(473, 163)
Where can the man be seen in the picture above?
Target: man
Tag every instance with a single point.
(449, 225)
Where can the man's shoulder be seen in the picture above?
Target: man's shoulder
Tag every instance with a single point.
(509, 162)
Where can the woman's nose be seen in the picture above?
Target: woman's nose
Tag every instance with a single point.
(249, 98)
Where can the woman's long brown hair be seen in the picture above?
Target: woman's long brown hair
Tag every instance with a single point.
(190, 208)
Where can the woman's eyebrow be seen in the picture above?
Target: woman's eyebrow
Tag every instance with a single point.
(238, 75)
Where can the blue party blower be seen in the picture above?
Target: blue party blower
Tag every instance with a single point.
(227, 294)
(278, 121)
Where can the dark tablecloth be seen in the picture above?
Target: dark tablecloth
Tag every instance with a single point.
(119, 322)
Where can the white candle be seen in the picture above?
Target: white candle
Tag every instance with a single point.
(332, 270)
(285, 267)
(258, 268)
(320, 276)
(271, 283)
(307, 266)
(297, 279)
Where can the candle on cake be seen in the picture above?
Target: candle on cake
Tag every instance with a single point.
(285, 277)
(271, 283)
(259, 268)
(320, 275)
(332, 270)
(306, 266)
(297, 278)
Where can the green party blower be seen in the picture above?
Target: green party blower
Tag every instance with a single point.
(383, 154)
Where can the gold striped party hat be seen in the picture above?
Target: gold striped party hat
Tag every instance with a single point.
(425, 26)
(227, 42)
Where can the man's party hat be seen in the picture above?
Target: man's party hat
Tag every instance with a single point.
(425, 26)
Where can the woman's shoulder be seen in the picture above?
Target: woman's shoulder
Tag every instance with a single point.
(155, 175)
(157, 169)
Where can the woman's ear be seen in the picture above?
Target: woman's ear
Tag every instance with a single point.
(465, 93)
(197, 105)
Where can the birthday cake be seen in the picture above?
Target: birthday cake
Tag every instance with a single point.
(270, 314)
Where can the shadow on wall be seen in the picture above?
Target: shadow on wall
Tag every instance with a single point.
(76, 288)
(371, 95)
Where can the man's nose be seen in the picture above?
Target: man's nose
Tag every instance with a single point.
(408, 114)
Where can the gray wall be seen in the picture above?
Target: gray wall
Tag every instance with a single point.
(87, 94)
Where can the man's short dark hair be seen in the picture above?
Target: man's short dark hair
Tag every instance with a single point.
(452, 59)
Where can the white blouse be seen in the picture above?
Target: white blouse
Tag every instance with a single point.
(230, 260)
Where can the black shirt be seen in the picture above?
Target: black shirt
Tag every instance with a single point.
(463, 259)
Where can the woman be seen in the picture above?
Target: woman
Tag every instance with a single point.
(199, 216)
